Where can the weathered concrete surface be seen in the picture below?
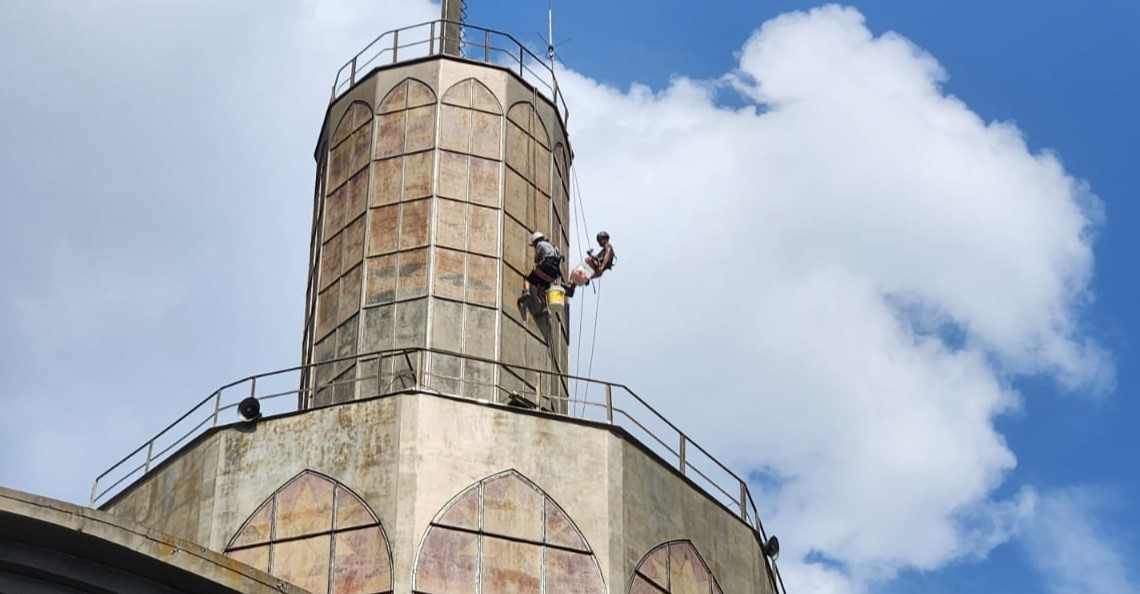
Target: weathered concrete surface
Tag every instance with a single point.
(407, 456)
(431, 177)
(53, 546)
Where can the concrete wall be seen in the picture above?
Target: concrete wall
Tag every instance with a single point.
(408, 456)
(431, 177)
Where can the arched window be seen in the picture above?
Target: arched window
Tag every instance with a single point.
(673, 568)
(504, 534)
(316, 533)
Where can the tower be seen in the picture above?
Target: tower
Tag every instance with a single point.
(433, 171)
(432, 440)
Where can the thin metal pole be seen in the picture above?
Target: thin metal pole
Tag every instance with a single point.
(352, 73)
(743, 502)
(94, 490)
(486, 46)
(609, 404)
(396, 46)
(682, 454)
(379, 375)
(418, 372)
(538, 389)
(149, 453)
(217, 406)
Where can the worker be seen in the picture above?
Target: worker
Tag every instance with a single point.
(604, 260)
(597, 264)
(547, 266)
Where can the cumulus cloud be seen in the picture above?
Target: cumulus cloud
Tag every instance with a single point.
(160, 160)
(852, 268)
(1072, 547)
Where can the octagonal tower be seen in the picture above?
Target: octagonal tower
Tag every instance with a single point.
(432, 173)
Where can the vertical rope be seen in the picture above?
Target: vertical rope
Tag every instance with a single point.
(578, 236)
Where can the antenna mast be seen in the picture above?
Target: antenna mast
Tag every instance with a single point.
(550, 31)
(550, 46)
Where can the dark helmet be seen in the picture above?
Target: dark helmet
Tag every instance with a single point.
(603, 235)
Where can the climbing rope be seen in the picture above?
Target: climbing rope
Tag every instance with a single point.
(574, 207)
(579, 211)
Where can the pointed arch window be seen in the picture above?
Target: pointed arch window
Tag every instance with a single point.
(316, 533)
(673, 567)
(504, 534)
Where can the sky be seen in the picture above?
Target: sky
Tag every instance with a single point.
(882, 249)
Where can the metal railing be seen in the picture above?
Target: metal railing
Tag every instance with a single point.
(419, 370)
(474, 43)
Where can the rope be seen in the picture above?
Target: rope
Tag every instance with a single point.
(593, 339)
(582, 207)
(580, 216)
(578, 339)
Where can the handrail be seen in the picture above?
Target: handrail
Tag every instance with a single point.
(414, 370)
(474, 43)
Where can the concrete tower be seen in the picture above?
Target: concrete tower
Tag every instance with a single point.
(433, 170)
(431, 440)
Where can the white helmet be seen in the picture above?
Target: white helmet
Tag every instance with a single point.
(536, 237)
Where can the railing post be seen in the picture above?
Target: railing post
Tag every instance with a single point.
(395, 46)
(379, 375)
(609, 404)
(538, 389)
(431, 38)
(217, 406)
(419, 370)
(94, 493)
(682, 454)
(486, 46)
(149, 453)
(521, 60)
(352, 73)
(744, 502)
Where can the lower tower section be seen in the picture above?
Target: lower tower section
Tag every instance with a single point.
(439, 495)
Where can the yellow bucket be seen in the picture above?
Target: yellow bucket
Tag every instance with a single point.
(556, 297)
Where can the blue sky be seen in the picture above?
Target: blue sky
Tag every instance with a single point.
(930, 355)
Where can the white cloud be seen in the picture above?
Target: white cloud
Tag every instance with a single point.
(851, 271)
(159, 157)
(1073, 549)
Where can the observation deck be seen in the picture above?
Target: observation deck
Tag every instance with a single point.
(609, 405)
(455, 40)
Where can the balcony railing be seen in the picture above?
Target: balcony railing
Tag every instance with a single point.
(416, 370)
(460, 40)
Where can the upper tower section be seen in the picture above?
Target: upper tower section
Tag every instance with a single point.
(443, 148)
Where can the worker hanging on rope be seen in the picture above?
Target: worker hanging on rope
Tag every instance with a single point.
(596, 264)
(547, 270)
